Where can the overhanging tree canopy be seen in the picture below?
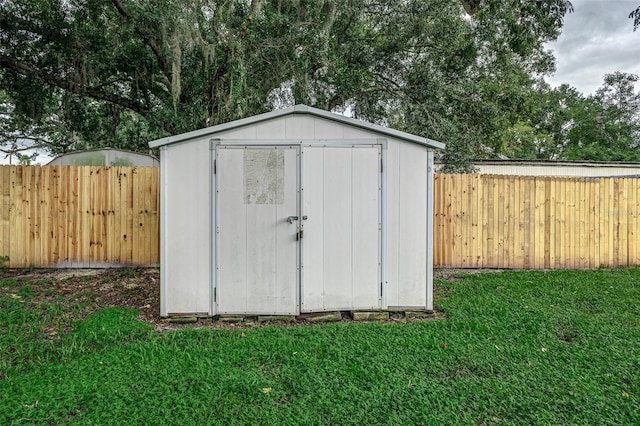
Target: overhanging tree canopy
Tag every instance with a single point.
(122, 72)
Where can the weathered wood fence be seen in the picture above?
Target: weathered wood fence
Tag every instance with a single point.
(536, 222)
(109, 216)
(72, 216)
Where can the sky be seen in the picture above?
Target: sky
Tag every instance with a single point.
(597, 39)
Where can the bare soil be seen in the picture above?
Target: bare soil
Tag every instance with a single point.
(95, 288)
(136, 288)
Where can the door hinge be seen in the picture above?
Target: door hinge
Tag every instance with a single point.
(214, 166)
(381, 167)
(380, 288)
(215, 294)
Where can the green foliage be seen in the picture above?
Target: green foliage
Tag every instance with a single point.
(471, 80)
(516, 348)
(601, 127)
(523, 141)
(123, 72)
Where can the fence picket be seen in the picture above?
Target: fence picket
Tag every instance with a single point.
(549, 222)
(71, 216)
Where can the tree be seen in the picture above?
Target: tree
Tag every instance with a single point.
(553, 113)
(175, 65)
(635, 15)
(610, 130)
(601, 127)
(18, 136)
(126, 71)
(497, 58)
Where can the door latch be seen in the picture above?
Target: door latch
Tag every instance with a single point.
(290, 219)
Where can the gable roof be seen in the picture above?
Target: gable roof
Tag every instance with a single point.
(298, 109)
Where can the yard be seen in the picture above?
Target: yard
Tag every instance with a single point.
(86, 347)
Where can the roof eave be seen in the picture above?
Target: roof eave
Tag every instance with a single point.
(298, 109)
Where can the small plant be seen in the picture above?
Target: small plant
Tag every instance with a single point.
(128, 273)
(3, 259)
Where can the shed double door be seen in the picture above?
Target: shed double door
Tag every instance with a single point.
(341, 248)
(297, 229)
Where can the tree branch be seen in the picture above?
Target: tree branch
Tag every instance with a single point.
(97, 93)
(38, 142)
(17, 150)
(635, 15)
(164, 65)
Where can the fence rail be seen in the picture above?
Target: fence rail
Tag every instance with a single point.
(484, 221)
(79, 216)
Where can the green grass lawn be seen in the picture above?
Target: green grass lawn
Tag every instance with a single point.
(516, 348)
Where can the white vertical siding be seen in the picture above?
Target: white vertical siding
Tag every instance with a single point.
(295, 127)
(392, 225)
(261, 259)
(247, 133)
(313, 260)
(407, 225)
(354, 133)
(429, 234)
(231, 230)
(337, 227)
(341, 242)
(413, 226)
(365, 255)
(324, 129)
(273, 129)
(287, 246)
(257, 246)
(299, 127)
(185, 186)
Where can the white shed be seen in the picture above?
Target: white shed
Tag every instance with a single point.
(294, 211)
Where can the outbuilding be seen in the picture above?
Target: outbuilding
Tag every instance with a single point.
(105, 157)
(294, 211)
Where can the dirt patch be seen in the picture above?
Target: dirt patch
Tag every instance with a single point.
(95, 288)
(137, 288)
(454, 274)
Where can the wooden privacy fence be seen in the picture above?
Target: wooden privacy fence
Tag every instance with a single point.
(484, 221)
(79, 216)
